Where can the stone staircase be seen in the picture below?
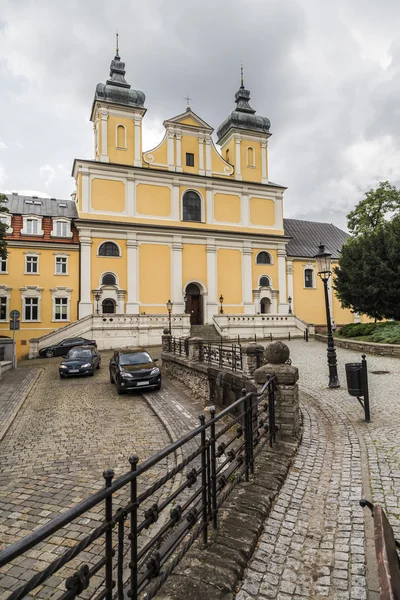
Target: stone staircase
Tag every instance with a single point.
(207, 332)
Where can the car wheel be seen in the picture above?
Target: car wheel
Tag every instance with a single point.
(91, 373)
(49, 353)
(120, 390)
(98, 366)
(62, 376)
(158, 387)
(111, 378)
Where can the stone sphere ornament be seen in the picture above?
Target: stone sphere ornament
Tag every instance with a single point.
(276, 353)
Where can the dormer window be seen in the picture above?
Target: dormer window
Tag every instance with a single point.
(61, 228)
(32, 225)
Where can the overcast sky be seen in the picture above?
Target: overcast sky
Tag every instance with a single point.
(327, 75)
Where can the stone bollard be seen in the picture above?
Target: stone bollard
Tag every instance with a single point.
(33, 348)
(195, 348)
(166, 341)
(252, 357)
(287, 410)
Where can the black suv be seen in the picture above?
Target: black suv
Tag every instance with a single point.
(133, 368)
(62, 347)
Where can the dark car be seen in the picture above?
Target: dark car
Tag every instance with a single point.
(82, 360)
(133, 368)
(62, 348)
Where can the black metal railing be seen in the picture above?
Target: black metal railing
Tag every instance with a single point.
(178, 346)
(146, 531)
(225, 356)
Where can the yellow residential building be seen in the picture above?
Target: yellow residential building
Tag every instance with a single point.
(184, 221)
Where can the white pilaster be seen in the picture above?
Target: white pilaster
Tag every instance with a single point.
(178, 139)
(201, 156)
(283, 306)
(176, 276)
(132, 305)
(279, 213)
(264, 170)
(245, 212)
(130, 196)
(238, 170)
(208, 156)
(138, 142)
(247, 291)
(274, 301)
(85, 302)
(209, 205)
(104, 142)
(212, 304)
(256, 295)
(289, 270)
(175, 203)
(121, 302)
(170, 151)
(85, 190)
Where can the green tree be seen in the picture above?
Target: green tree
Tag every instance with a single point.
(374, 209)
(368, 277)
(3, 227)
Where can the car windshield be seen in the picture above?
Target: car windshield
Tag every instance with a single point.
(136, 358)
(79, 353)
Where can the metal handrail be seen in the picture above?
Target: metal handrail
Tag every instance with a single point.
(256, 425)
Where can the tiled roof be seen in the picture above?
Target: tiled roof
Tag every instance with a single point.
(308, 235)
(43, 207)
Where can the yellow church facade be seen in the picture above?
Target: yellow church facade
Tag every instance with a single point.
(186, 221)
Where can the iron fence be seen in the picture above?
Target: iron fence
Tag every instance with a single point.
(217, 455)
(178, 346)
(225, 356)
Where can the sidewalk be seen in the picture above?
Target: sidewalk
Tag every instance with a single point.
(14, 387)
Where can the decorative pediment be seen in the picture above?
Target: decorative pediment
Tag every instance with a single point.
(188, 119)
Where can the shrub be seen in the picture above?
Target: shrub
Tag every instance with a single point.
(387, 333)
(357, 329)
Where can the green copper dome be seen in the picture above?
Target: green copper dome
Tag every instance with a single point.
(243, 117)
(116, 90)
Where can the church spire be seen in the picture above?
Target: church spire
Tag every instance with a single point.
(117, 70)
(241, 75)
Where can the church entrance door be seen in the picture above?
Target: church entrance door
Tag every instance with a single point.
(194, 304)
(265, 306)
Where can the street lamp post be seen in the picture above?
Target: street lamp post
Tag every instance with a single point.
(221, 300)
(97, 297)
(290, 305)
(169, 308)
(324, 271)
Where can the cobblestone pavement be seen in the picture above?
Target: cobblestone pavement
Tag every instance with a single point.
(313, 545)
(15, 386)
(53, 455)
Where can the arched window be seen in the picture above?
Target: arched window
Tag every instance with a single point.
(264, 281)
(108, 305)
(308, 278)
(121, 136)
(251, 157)
(108, 279)
(191, 207)
(263, 258)
(108, 249)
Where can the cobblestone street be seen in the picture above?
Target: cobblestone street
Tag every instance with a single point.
(313, 545)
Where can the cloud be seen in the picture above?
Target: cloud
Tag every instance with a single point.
(2, 145)
(327, 75)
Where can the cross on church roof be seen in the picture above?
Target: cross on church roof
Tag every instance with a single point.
(188, 99)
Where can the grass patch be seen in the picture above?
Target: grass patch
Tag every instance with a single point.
(379, 333)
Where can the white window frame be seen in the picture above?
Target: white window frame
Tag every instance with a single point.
(116, 137)
(32, 255)
(5, 292)
(311, 267)
(68, 225)
(269, 279)
(63, 303)
(106, 256)
(2, 261)
(202, 209)
(31, 291)
(6, 219)
(270, 258)
(250, 166)
(57, 293)
(26, 218)
(101, 284)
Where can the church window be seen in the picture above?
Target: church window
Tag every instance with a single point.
(108, 279)
(308, 278)
(264, 281)
(251, 158)
(109, 249)
(121, 136)
(189, 159)
(263, 258)
(191, 207)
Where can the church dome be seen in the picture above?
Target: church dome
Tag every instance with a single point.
(243, 117)
(117, 90)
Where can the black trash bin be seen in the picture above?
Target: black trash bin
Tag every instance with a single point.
(354, 379)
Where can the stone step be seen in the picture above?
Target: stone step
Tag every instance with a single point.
(207, 332)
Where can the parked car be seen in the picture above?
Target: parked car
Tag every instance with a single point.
(81, 360)
(62, 348)
(133, 368)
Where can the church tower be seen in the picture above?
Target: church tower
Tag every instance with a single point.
(243, 138)
(117, 114)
